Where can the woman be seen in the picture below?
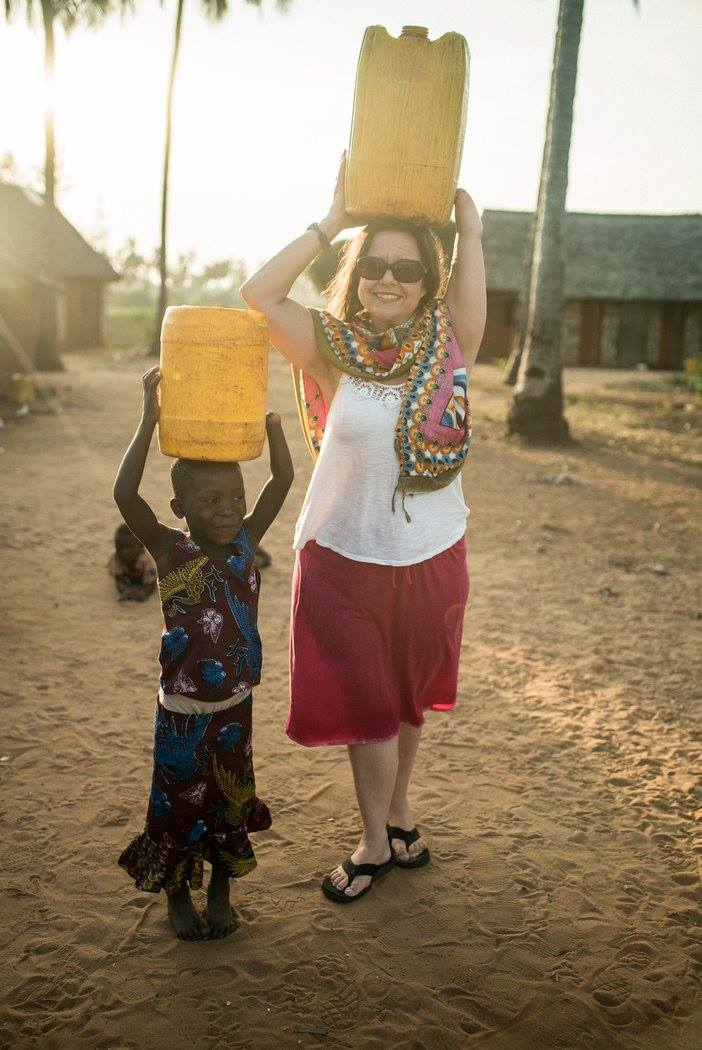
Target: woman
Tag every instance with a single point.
(380, 581)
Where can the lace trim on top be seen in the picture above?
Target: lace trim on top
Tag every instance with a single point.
(387, 394)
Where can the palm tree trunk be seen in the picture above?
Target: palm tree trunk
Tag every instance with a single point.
(522, 311)
(520, 314)
(47, 350)
(163, 266)
(536, 411)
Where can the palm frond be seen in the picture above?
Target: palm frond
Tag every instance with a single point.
(89, 12)
(13, 8)
(215, 9)
(68, 12)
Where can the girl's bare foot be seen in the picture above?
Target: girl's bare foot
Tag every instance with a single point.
(219, 913)
(185, 920)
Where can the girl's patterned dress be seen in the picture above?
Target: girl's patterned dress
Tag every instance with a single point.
(203, 797)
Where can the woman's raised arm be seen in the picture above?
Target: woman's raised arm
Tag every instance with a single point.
(465, 296)
(268, 290)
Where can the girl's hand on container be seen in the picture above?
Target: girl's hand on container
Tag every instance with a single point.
(150, 381)
(467, 217)
(272, 420)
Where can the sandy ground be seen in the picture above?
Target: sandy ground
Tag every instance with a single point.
(562, 908)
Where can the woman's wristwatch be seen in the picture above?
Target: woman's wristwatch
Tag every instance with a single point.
(316, 228)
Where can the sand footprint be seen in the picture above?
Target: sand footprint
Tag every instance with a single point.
(329, 994)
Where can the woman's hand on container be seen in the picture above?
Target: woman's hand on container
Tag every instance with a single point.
(338, 218)
(150, 381)
(467, 217)
(272, 420)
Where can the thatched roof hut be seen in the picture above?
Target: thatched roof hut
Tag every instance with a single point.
(632, 286)
(80, 273)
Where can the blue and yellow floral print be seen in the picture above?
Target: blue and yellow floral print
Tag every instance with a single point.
(210, 648)
(203, 802)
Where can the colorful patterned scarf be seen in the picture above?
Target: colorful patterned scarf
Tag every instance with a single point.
(432, 434)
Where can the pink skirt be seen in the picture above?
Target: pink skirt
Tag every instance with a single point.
(372, 646)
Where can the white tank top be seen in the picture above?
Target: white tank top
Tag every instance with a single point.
(348, 505)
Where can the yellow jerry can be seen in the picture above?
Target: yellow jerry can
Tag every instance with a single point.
(408, 126)
(214, 365)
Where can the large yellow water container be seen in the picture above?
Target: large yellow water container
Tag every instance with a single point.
(214, 365)
(408, 126)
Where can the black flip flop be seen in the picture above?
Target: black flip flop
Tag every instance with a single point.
(376, 871)
(408, 837)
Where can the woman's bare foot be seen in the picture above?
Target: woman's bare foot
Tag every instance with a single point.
(185, 920)
(219, 913)
(402, 818)
(374, 853)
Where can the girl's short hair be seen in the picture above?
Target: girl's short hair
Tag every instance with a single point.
(185, 471)
(182, 476)
(342, 290)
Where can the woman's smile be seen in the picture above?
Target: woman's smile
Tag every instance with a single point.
(388, 301)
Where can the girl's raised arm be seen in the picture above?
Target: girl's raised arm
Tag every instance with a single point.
(134, 509)
(273, 493)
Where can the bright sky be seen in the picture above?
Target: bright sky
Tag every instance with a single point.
(263, 105)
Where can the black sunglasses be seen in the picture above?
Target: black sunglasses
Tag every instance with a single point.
(406, 271)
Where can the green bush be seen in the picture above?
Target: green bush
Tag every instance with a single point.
(128, 327)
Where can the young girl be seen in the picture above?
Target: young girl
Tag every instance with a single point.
(203, 797)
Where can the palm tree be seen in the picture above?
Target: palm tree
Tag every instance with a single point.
(520, 313)
(214, 9)
(67, 13)
(536, 410)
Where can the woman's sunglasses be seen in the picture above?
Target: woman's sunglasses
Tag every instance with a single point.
(406, 271)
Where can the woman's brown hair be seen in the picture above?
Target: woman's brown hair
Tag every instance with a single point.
(342, 290)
